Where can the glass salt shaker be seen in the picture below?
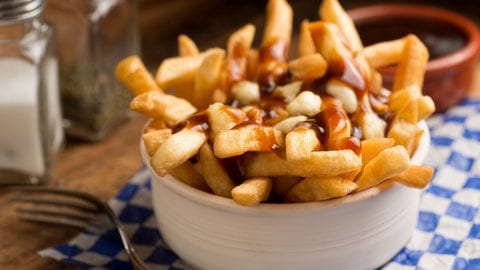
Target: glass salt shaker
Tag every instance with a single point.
(30, 118)
(92, 36)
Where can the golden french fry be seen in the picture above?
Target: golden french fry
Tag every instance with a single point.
(386, 164)
(222, 118)
(186, 46)
(372, 147)
(252, 191)
(153, 139)
(300, 143)
(187, 173)
(235, 142)
(412, 65)
(177, 149)
(339, 58)
(219, 96)
(132, 73)
(178, 73)
(399, 99)
(414, 176)
(214, 173)
(426, 107)
(207, 78)
(319, 189)
(279, 22)
(236, 64)
(308, 67)
(404, 126)
(283, 184)
(384, 54)
(252, 64)
(336, 122)
(332, 11)
(241, 40)
(159, 105)
(305, 41)
(321, 164)
(156, 124)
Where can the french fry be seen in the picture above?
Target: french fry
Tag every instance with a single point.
(214, 173)
(309, 67)
(386, 164)
(186, 46)
(372, 147)
(305, 41)
(283, 184)
(336, 122)
(153, 139)
(384, 54)
(132, 73)
(222, 118)
(320, 164)
(399, 99)
(330, 45)
(404, 126)
(252, 191)
(426, 107)
(207, 78)
(159, 105)
(177, 149)
(155, 124)
(412, 65)
(235, 142)
(187, 173)
(252, 64)
(300, 143)
(314, 189)
(332, 11)
(238, 48)
(414, 176)
(279, 22)
(178, 73)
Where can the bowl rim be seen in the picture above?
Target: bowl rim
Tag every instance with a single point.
(227, 204)
(469, 52)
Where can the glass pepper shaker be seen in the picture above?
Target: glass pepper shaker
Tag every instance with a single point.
(30, 118)
(91, 37)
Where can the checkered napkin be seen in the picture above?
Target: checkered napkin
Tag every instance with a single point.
(447, 235)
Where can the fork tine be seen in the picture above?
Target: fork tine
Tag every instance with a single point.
(57, 212)
(55, 220)
(58, 191)
(87, 206)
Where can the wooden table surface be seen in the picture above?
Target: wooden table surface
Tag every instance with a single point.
(101, 169)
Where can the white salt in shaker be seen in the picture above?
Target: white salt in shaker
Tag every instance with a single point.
(30, 117)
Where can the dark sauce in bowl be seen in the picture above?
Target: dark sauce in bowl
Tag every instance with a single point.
(441, 38)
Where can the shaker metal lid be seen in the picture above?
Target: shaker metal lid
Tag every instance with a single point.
(16, 10)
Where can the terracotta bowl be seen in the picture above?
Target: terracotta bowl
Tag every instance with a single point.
(359, 231)
(452, 39)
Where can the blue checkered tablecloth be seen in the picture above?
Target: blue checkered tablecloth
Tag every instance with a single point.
(447, 235)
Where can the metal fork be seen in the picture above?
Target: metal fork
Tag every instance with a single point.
(77, 213)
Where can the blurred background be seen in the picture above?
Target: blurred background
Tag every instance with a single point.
(208, 22)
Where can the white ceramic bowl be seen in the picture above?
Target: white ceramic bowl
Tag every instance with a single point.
(360, 231)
